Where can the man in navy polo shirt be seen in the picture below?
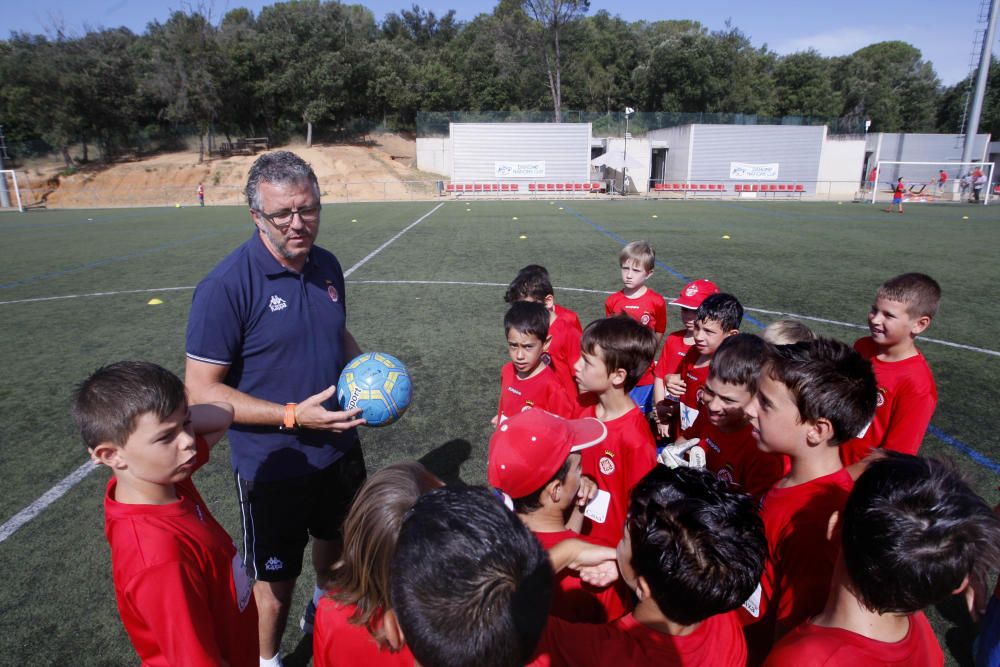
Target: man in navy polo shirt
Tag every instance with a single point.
(268, 333)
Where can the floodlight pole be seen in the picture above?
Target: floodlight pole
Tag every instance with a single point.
(972, 127)
(628, 111)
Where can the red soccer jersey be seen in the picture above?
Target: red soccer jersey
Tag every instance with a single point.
(617, 464)
(650, 310)
(564, 349)
(907, 397)
(735, 458)
(182, 591)
(715, 642)
(541, 391)
(810, 645)
(339, 643)
(674, 350)
(695, 378)
(577, 602)
(800, 561)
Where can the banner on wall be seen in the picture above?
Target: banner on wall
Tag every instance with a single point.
(535, 169)
(755, 172)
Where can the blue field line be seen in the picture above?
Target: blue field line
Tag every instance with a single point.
(972, 453)
(109, 260)
(953, 442)
(676, 274)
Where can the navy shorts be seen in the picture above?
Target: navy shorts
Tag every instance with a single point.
(278, 517)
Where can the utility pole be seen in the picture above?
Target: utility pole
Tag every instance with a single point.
(628, 112)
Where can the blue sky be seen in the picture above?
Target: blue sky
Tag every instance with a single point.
(942, 31)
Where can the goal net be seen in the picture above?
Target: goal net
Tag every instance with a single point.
(922, 181)
(10, 193)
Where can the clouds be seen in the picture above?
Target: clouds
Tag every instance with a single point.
(836, 42)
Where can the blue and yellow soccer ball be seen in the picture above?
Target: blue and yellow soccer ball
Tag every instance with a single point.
(377, 383)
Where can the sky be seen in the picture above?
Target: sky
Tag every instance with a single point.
(943, 32)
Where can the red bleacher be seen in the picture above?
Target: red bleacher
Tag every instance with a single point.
(689, 187)
(772, 188)
(462, 188)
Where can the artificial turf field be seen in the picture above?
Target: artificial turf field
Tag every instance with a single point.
(434, 298)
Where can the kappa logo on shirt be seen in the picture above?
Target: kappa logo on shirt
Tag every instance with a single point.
(273, 563)
(277, 303)
(715, 447)
(513, 391)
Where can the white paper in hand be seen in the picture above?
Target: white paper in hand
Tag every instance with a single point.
(597, 509)
(688, 415)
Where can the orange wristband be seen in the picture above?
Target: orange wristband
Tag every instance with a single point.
(290, 421)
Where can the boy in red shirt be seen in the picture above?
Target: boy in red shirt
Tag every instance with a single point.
(810, 397)
(182, 591)
(718, 317)
(535, 461)
(676, 346)
(643, 305)
(532, 283)
(911, 535)
(613, 354)
(907, 394)
(526, 382)
(693, 548)
(725, 436)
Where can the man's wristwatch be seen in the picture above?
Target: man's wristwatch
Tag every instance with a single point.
(289, 423)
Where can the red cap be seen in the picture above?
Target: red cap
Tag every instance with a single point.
(694, 293)
(527, 450)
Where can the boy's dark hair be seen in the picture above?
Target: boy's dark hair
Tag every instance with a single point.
(107, 404)
(912, 532)
(738, 359)
(918, 291)
(528, 318)
(722, 308)
(531, 282)
(829, 380)
(471, 585)
(698, 543)
(624, 343)
(531, 502)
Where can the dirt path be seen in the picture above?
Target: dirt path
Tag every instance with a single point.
(346, 173)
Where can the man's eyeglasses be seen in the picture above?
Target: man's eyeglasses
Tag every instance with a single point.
(283, 219)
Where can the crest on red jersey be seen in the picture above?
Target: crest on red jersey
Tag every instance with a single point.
(606, 465)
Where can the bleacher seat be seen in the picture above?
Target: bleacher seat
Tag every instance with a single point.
(800, 188)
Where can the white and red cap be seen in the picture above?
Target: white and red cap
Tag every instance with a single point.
(694, 293)
(527, 450)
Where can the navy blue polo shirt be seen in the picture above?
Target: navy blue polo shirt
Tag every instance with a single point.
(282, 335)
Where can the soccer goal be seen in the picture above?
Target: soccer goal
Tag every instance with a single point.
(922, 181)
(10, 194)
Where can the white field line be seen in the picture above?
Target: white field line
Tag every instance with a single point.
(385, 245)
(46, 499)
(10, 526)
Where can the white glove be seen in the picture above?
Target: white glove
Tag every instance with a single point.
(672, 456)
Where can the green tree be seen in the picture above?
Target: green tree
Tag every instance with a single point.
(182, 63)
(803, 86)
(552, 18)
(890, 84)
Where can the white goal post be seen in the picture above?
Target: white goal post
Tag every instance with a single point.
(8, 187)
(922, 184)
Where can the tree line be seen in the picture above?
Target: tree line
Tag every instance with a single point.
(304, 64)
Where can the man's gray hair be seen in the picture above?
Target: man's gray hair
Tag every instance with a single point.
(279, 167)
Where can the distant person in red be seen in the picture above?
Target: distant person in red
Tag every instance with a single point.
(911, 535)
(872, 176)
(348, 629)
(201, 194)
(942, 179)
(897, 196)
